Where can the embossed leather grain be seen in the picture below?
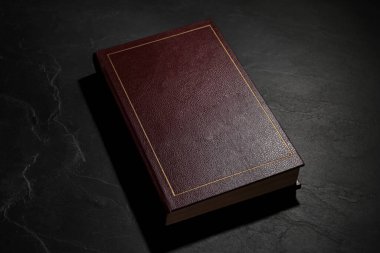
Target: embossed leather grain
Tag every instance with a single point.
(196, 116)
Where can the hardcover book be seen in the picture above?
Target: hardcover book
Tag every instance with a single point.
(207, 137)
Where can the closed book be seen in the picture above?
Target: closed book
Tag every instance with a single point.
(207, 137)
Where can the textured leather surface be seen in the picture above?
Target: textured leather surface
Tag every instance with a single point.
(198, 119)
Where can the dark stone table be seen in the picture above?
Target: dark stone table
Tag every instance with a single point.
(72, 181)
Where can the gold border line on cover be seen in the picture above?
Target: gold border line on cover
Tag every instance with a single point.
(289, 154)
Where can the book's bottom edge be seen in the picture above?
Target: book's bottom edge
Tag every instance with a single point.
(288, 180)
(298, 185)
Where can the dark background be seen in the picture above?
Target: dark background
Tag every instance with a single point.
(72, 181)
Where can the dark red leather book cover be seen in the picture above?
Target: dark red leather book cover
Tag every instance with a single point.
(198, 120)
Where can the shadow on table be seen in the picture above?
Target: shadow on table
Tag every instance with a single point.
(139, 190)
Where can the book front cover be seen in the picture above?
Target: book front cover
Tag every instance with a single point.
(201, 123)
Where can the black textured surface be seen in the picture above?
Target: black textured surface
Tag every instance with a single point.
(71, 179)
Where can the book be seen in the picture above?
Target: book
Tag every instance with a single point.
(207, 137)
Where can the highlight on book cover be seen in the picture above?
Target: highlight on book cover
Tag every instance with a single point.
(207, 136)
